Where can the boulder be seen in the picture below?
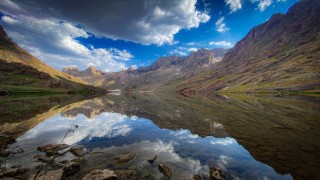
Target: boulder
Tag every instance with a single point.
(216, 174)
(77, 151)
(165, 170)
(105, 174)
(48, 175)
(124, 158)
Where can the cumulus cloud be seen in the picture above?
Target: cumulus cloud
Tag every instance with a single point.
(145, 22)
(221, 25)
(54, 42)
(263, 4)
(234, 5)
(108, 125)
(225, 44)
(178, 52)
(192, 49)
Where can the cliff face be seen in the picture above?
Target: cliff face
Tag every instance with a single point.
(22, 73)
(281, 54)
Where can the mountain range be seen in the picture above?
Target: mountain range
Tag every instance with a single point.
(160, 75)
(20, 72)
(282, 54)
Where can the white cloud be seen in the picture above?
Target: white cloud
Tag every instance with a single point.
(108, 125)
(192, 49)
(221, 26)
(263, 4)
(192, 43)
(55, 43)
(223, 141)
(221, 44)
(178, 52)
(234, 5)
(146, 22)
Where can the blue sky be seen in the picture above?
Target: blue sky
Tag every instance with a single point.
(115, 35)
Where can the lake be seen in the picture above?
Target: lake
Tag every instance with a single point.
(245, 136)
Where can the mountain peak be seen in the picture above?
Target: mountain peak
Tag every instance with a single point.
(3, 34)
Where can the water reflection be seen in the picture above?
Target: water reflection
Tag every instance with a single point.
(245, 136)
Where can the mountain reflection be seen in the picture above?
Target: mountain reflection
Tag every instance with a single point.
(243, 135)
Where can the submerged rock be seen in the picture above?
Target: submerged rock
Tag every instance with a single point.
(43, 158)
(216, 174)
(98, 174)
(125, 174)
(124, 158)
(197, 177)
(71, 167)
(47, 175)
(151, 160)
(4, 92)
(165, 170)
(78, 160)
(52, 149)
(145, 175)
(11, 172)
(77, 151)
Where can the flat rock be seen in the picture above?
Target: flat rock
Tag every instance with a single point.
(78, 160)
(125, 174)
(43, 158)
(77, 151)
(145, 175)
(9, 172)
(165, 170)
(124, 158)
(51, 149)
(151, 160)
(216, 174)
(48, 175)
(98, 174)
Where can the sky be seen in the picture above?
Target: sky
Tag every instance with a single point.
(114, 35)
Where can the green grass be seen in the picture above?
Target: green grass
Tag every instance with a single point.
(30, 90)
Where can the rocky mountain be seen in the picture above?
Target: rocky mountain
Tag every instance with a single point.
(161, 75)
(20, 72)
(283, 54)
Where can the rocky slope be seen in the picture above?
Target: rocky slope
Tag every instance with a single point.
(20, 72)
(163, 74)
(283, 54)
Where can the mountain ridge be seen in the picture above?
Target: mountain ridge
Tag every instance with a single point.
(162, 70)
(281, 54)
(20, 72)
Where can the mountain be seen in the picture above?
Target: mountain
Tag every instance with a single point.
(283, 54)
(20, 72)
(162, 75)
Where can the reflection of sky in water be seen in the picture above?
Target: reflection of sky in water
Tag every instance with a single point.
(184, 152)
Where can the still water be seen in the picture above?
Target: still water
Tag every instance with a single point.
(246, 136)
